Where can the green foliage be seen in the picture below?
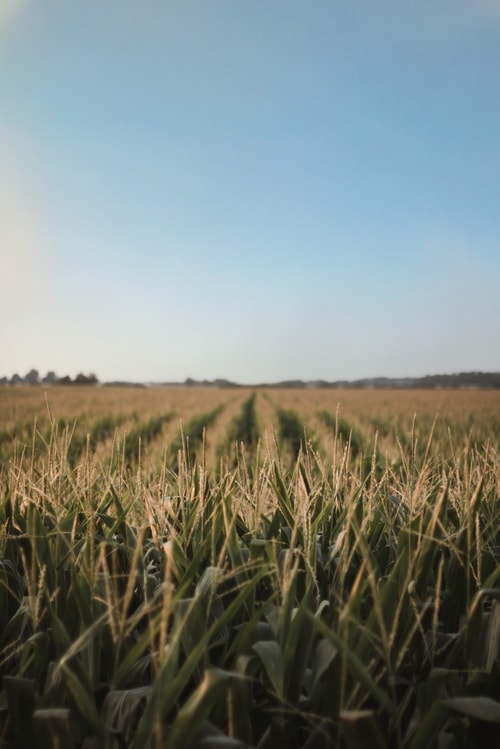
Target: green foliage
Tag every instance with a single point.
(299, 607)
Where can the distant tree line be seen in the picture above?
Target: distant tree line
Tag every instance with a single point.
(463, 380)
(33, 378)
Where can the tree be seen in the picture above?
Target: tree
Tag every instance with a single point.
(82, 379)
(32, 378)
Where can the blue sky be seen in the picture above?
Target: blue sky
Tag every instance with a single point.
(251, 189)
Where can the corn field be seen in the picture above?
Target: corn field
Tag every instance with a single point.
(246, 569)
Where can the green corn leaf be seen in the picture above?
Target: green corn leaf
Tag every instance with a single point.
(324, 655)
(169, 683)
(481, 708)
(252, 631)
(429, 727)
(196, 709)
(271, 657)
(430, 691)
(84, 701)
(354, 665)
(35, 655)
(297, 652)
(121, 710)
(284, 502)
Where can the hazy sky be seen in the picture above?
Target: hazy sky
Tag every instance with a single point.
(250, 189)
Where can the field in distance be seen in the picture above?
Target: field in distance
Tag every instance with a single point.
(107, 418)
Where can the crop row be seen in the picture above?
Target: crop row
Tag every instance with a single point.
(217, 424)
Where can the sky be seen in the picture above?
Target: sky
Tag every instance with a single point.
(255, 190)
